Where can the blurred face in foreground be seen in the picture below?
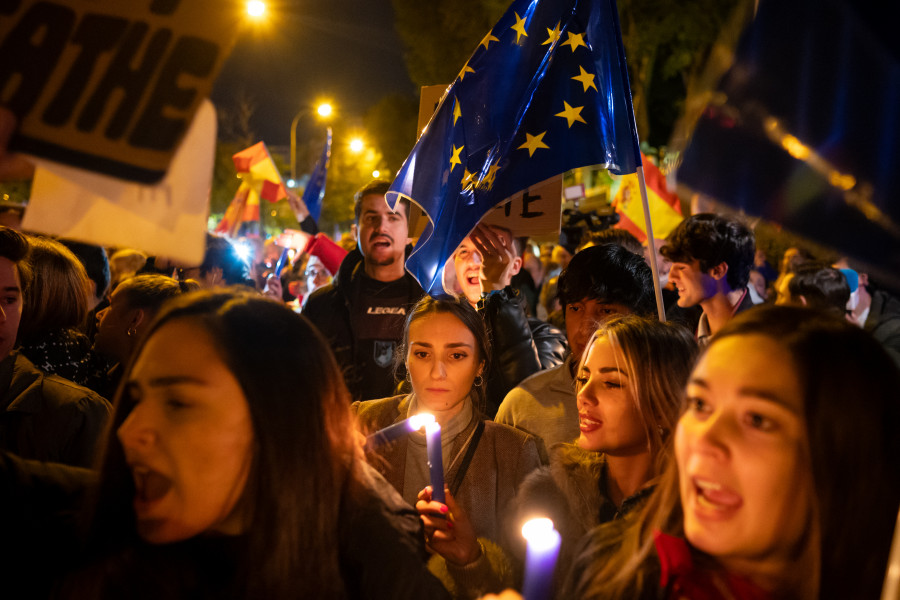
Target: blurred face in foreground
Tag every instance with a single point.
(443, 362)
(188, 440)
(743, 462)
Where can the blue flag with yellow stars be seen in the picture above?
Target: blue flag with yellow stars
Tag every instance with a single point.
(315, 188)
(545, 91)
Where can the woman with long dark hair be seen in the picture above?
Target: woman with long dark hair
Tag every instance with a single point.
(784, 483)
(445, 350)
(231, 469)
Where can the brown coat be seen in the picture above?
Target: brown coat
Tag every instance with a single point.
(502, 460)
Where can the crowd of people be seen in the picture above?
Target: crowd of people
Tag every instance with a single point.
(201, 431)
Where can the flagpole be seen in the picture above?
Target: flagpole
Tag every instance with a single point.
(651, 245)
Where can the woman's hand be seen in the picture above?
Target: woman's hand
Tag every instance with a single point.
(448, 530)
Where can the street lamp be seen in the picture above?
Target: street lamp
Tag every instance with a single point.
(324, 111)
(357, 145)
(256, 8)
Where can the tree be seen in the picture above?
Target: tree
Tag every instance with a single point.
(391, 124)
(440, 35)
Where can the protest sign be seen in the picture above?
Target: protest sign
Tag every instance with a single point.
(167, 219)
(110, 87)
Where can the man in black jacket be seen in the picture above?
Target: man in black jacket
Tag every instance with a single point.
(484, 264)
(362, 312)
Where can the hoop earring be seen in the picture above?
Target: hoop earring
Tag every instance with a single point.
(131, 331)
(479, 381)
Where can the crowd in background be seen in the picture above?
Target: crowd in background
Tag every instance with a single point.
(173, 430)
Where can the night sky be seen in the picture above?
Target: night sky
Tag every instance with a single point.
(346, 50)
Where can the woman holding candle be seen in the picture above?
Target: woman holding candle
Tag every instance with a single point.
(630, 384)
(445, 350)
(230, 472)
(784, 483)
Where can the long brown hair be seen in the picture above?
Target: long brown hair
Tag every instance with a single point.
(304, 457)
(460, 308)
(58, 295)
(850, 405)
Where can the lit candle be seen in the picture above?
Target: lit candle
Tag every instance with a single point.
(540, 558)
(435, 461)
(392, 432)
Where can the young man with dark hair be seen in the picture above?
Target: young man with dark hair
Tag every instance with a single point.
(711, 257)
(599, 282)
(363, 310)
(43, 417)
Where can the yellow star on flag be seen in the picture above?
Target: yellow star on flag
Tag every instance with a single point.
(575, 40)
(486, 42)
(465, 69)
(488, 180)
(586, 79)
(519, 28)
(554, 35)
(468, 178)
(533, 142)
(457, 113)
(571, 114)
(455, 160)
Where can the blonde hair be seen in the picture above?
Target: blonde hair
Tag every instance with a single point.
(658, 358)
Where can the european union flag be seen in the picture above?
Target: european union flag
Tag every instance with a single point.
(545, 91)
(805, 128)
(315, 187)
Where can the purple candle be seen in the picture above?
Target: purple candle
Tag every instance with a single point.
(540, 558)
(397, 430)
(435, 461)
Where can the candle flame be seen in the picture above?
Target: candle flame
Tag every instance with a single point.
(417, 422)
(539, 531)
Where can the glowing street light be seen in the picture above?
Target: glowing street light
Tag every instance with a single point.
(376, 173)
(324, 110)
(256, 8)
(357, 145)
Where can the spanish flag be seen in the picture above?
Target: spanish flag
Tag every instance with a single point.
(665, 207)
(259, 179)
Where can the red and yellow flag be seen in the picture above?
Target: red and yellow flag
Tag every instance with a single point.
(665, 207)
(259, 179)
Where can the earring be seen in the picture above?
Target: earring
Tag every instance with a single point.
(479, 381)
(659, 429)
(131, 331)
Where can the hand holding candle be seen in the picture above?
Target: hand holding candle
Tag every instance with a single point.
(540, 558)
(435, 461)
